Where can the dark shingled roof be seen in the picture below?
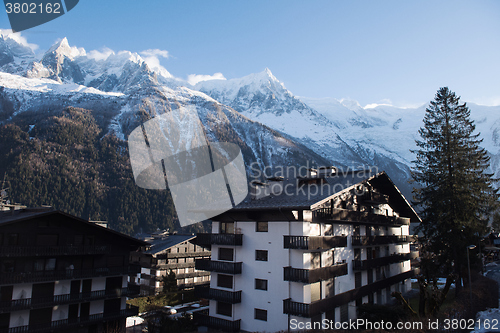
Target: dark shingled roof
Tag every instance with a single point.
(297, 194)
(159, 245)
(8, 217)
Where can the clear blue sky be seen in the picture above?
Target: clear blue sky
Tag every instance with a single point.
(369, 51)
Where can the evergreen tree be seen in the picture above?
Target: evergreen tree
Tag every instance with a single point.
(169, 282)
(456, 196)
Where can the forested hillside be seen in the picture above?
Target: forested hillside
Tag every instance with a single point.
(67, 161)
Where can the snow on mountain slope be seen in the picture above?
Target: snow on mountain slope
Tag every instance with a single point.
(394, 130)
(342, 130)
(126, 91)
(261, 97)
(123, 92)
(15, 54)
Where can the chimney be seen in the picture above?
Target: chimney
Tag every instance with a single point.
(327, 171)
(312, 173)
(258, 190)
(275, 185)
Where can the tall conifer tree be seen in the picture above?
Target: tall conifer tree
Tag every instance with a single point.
(456, 196)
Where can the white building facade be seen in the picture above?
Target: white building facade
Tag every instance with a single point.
(286, 260)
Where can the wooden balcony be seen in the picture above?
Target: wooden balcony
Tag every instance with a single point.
(203, 319)
(199, 254)
(218, 266)
(360, 265)
(219, 239)
(227, 296)
(192, 274)
(309, 310)
(160, 267)
(314, 242)
(335, 215)
(42, 276)
(42, 302)
(67, 324)
(314, 275)
(373, 198)
(378, 240)
(36, 251)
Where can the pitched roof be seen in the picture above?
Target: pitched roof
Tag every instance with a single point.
(297, 194)
(159, 245)
(9, 217)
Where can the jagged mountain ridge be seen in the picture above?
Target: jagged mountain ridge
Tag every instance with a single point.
(343, 131)
(126, 94)
(262, 98)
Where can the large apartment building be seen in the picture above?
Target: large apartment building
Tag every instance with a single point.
(306, 249)
(169, 252)
(59, 273)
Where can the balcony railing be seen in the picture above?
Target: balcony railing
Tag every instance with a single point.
(35, 251)
(309, 310)
(218, 266)
(68, 274)
(41, 302)
(345, 215)
(203, 319)
(314, 275)
(314, 242)
(378, 240)
(377, 262)
(198, 254)
(227, 296)
(296, 308)
(174, 266)
(65, 324)
(374, 197)
(192, 274)
(219, 239)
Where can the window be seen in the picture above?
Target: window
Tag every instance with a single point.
(227, 228)
(47, 240)
(357, 254)
(224, 281)
(261, 227)
(260, 284)
(357, 280)
(370, 277)
(89, 240)
(226, 254)
(8, 266)
(330, 314)
(344, 312)
(13, 239)
(78, 240)
(48, 264)
(260, 314)
(315, 260)
(315, 291)
(225, 309)
(261, 255)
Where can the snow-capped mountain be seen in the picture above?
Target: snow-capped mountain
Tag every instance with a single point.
(343, 131)
(262, 98)
(272, 126)
(124, 92)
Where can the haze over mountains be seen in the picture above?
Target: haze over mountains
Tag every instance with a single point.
(272, 126)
